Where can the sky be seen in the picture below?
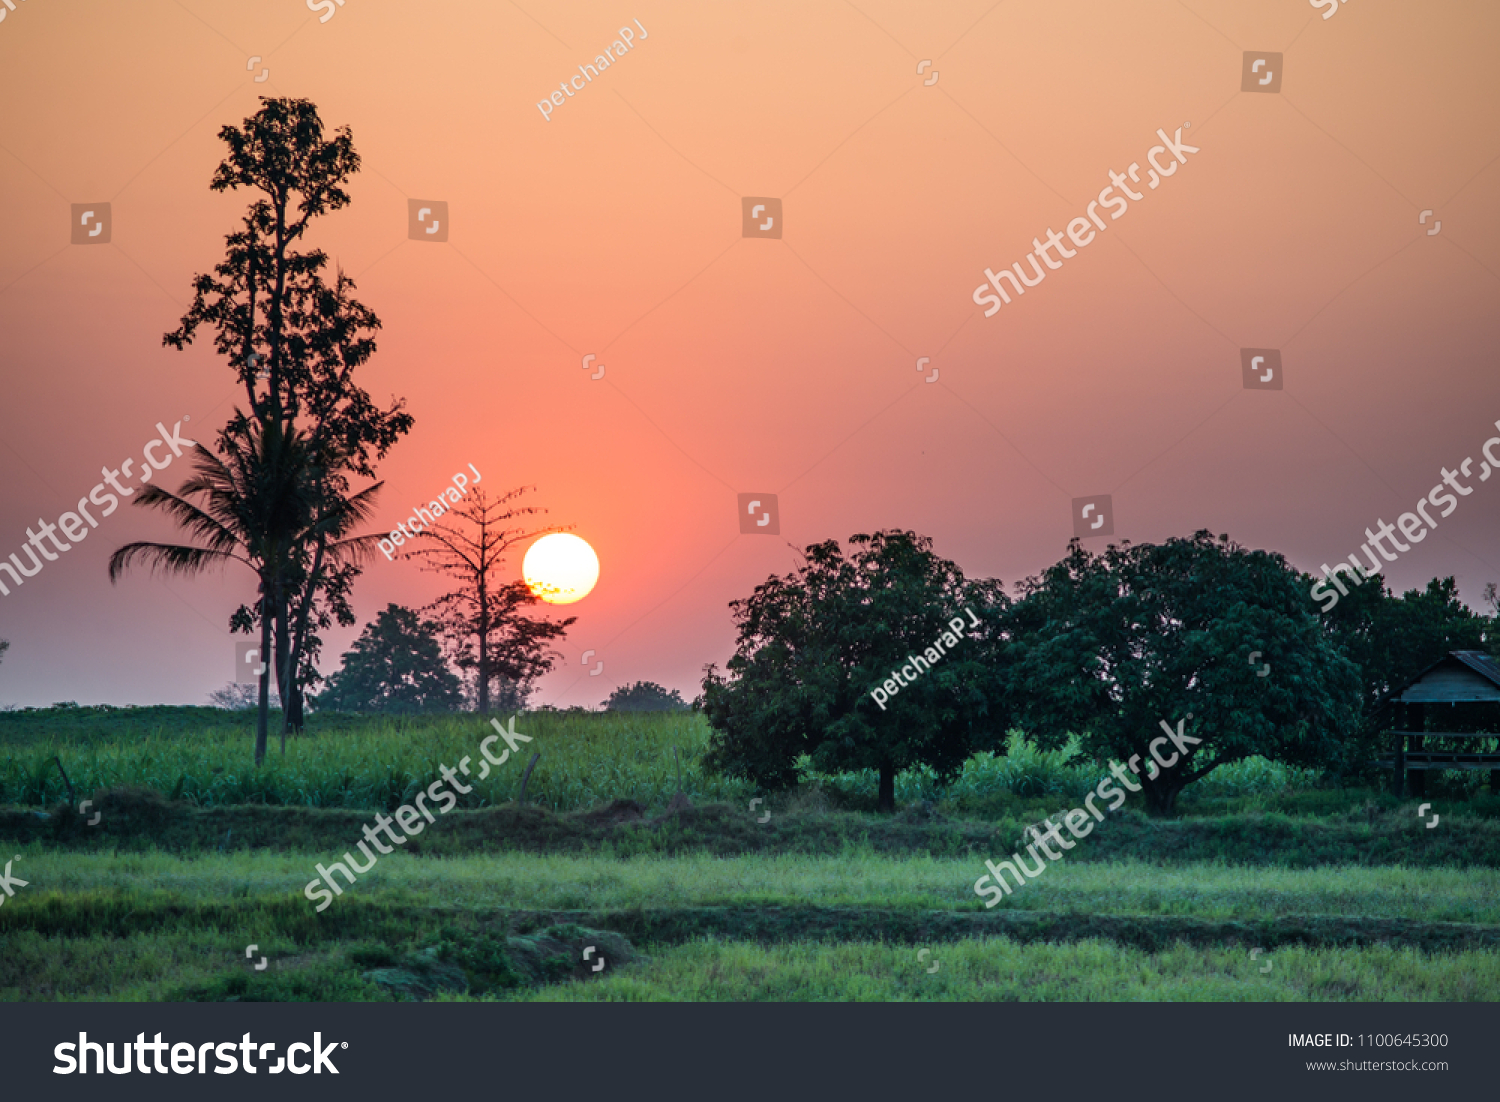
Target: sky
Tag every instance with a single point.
(1344, 215)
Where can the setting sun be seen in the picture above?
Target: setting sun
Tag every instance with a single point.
(560, 568)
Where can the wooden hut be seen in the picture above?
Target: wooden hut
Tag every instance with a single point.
(1462, 677)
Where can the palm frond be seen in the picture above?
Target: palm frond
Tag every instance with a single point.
(168, 558)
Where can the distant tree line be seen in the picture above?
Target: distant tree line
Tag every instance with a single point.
(1103, 646)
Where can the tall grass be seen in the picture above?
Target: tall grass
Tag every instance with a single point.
(203, 756)
(1025, 770)
(384, 761)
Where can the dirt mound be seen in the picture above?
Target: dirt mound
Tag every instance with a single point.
(423, 976)
(618, 811)
(677, 806)
(476, 963)
(557, 953)
(126, 809)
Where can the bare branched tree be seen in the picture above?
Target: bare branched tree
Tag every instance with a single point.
(485, 623)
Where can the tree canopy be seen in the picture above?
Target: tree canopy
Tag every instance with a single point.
(1392, 639)
(815, 645)
(645, 696)
(1110, 645)
(395, 665)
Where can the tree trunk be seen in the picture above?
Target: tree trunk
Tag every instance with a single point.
(283, 655)
(291, 715)
(294, 713)
(484, 647)
(1161, 795)
(283, 671)
(887, 788)
(263, 719)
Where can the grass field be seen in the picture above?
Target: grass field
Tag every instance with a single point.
(196, 856)
(200, 756)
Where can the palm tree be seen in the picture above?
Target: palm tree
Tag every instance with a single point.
(265, 505)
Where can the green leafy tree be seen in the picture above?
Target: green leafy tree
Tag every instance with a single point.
(396, 665)
(294, 341)
(814, 644)
(645, 696)
(1111, 645)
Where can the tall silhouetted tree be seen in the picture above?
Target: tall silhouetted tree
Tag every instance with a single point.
(485, 621)
(258, 505)
(294, 341)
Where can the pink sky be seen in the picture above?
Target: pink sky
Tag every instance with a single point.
(768, 366)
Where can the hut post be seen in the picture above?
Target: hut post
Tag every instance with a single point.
(1417, 721)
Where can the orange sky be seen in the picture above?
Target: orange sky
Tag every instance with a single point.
(785, 366)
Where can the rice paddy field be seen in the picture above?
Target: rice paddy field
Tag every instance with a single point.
(1342, 893)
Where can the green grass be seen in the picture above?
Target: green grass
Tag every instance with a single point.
(203, 756)
(153, 967)
(198, 855)
(1060, 775)
(154, 926)
(374, 762)
(1375, 832)
(998, 970)
(854, 879)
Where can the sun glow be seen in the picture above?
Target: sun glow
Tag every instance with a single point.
(560, 568)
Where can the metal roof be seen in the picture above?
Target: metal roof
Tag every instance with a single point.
(1479, 662)
(1476, 661)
